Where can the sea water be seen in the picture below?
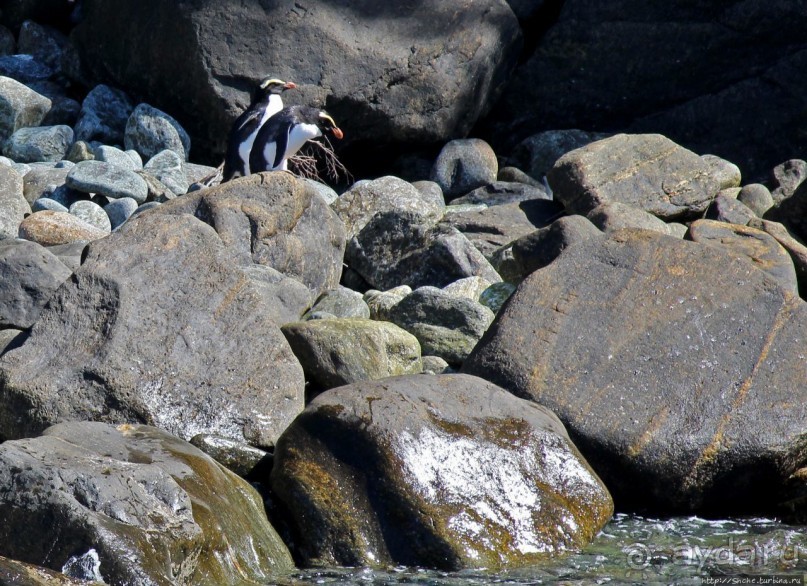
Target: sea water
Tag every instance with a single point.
(632, 550)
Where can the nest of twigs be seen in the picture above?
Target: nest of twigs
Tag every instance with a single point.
(317, 158)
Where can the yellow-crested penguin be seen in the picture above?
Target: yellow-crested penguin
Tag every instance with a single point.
(285, 133)
(266, 102)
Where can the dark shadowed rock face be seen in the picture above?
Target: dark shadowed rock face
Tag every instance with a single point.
(679, 370)
(405, 71)
(147, 507)
(273, 219)
(158, 325)
(444, 471)
(717, 77)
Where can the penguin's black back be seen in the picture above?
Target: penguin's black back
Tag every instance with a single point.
(276, 130)
(243, 126)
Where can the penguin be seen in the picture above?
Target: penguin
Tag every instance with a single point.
(266, 102)
(285, 133)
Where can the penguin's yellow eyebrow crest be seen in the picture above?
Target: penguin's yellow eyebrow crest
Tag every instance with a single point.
(269, 82)
(328, 118)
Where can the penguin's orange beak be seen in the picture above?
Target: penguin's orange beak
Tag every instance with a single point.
(338, 133)
(289, 85)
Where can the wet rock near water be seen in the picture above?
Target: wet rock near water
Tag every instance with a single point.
(144, 506)
(668, 360)
(431, 465)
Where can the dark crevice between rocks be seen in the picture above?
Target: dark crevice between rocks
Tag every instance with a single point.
(535, 27)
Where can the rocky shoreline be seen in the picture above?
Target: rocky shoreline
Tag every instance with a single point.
(471, 365)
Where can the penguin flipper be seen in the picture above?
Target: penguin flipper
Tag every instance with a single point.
(282, 147)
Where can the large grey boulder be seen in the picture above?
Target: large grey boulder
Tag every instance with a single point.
(273, 219)
(137, 505)
(677, 368)
(444, 471)
(646, 171)
(158, 325)
(29, 275)
(416, 72)
(20, 107)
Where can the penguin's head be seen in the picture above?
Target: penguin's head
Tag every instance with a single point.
(270, 85)
(327, 124)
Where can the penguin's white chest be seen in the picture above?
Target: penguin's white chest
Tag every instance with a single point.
(299, 134)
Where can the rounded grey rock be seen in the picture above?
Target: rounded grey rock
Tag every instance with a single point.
(150, 131)
(727, 173)
(117, 157)
(46, 203)
(324, 191)
(20, 107)
(342, 302)
(757, 197)
(463, 165)
(435, 365)
(169, 168)
(34, 144)
(91, 213)
(108, 180)
(119, 210)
